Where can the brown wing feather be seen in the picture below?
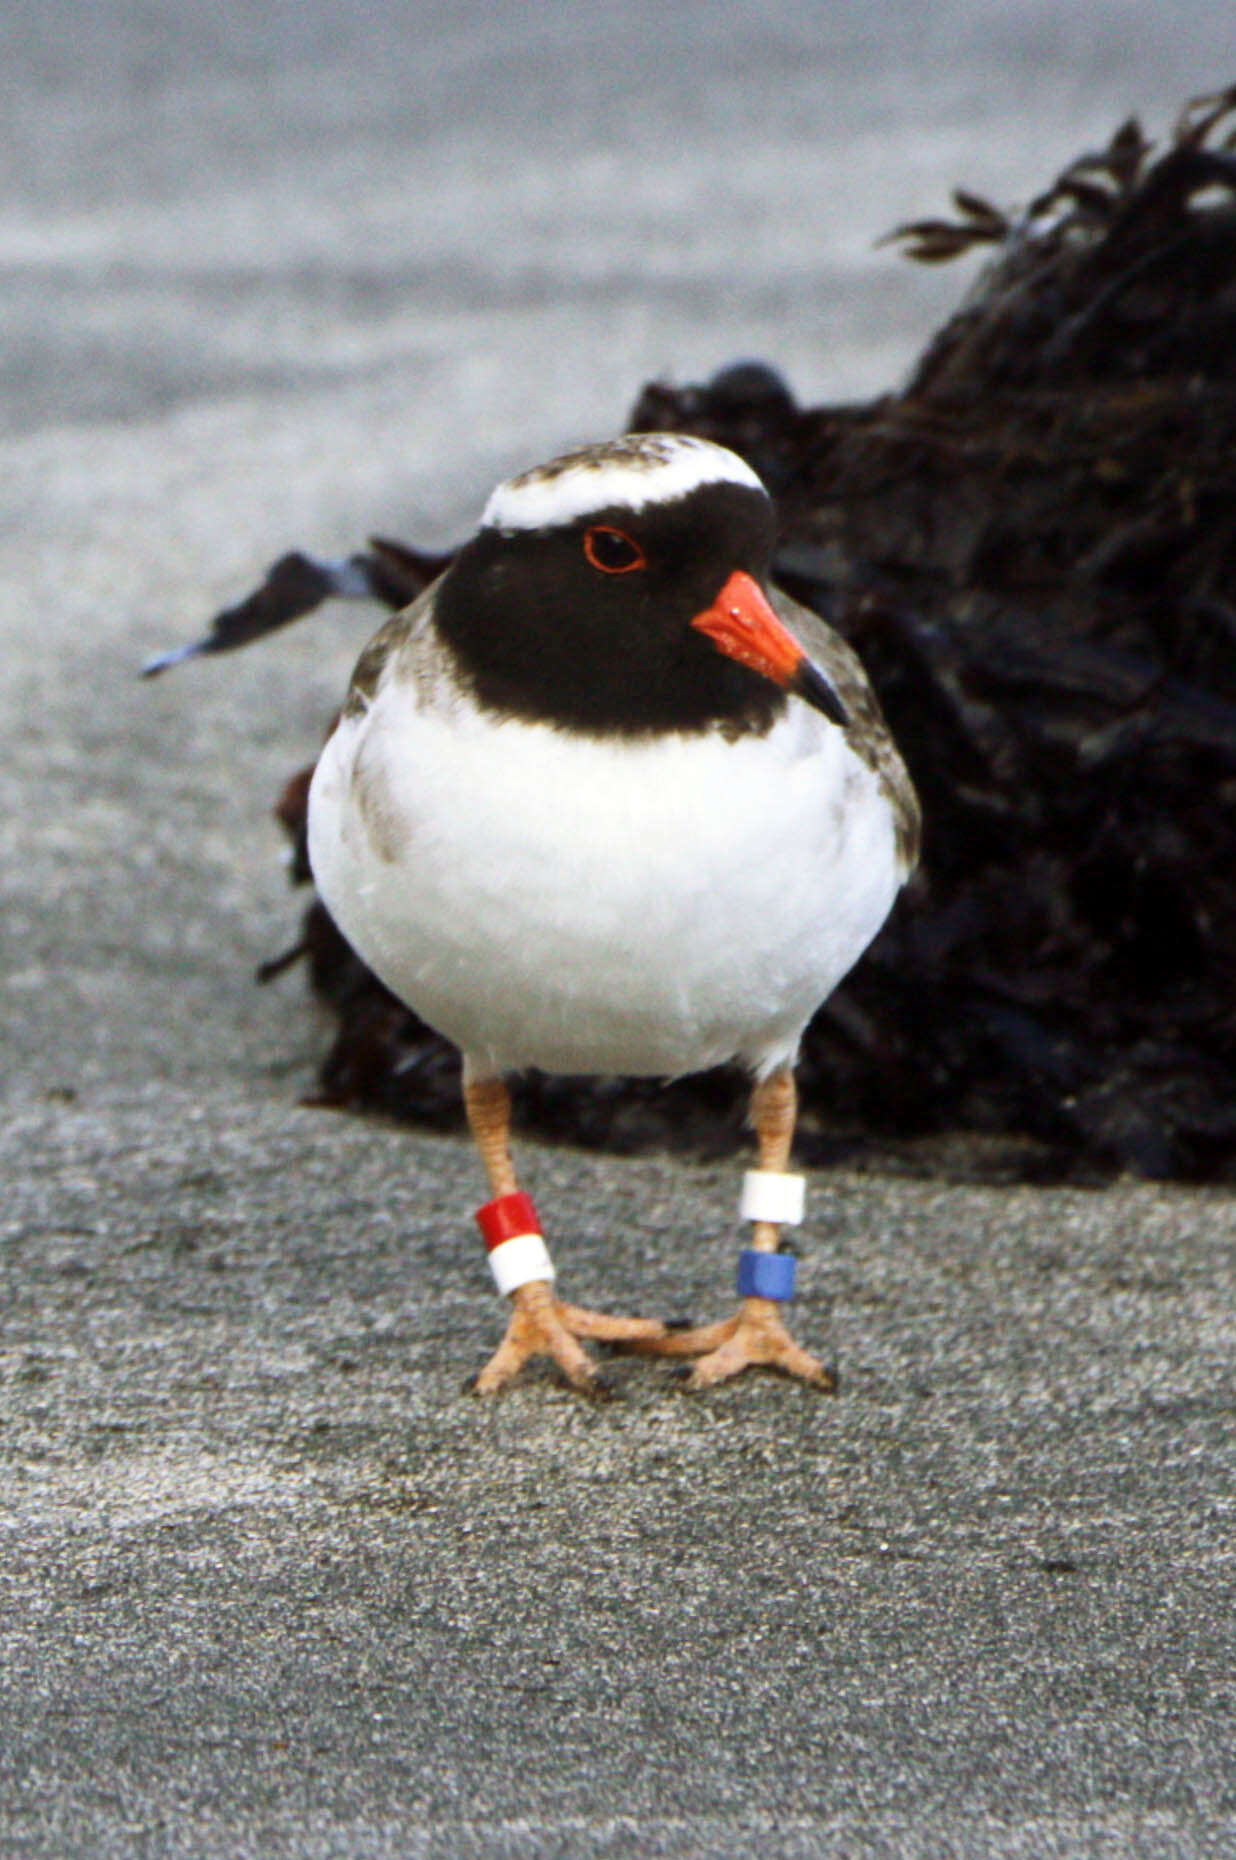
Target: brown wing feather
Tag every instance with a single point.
(867, 733)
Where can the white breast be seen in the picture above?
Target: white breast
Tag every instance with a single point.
(547, 899)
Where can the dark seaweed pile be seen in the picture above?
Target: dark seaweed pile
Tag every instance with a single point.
(1034, 549)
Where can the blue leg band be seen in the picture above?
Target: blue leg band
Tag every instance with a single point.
(766, 1275)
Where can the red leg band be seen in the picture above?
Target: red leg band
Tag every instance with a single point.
(507, 1218)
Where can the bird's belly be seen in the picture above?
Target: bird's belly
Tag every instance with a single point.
(648, 908)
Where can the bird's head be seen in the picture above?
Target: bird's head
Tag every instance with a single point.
(622, 589)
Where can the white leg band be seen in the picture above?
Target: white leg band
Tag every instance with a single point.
(769, 1196)
(519, 1261)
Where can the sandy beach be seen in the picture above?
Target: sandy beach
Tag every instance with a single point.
(272, 1584)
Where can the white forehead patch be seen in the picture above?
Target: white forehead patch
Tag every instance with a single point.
(637, 470)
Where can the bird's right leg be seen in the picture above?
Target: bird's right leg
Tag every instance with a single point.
(540, 1324)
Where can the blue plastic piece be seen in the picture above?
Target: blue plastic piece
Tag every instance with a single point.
(766, 1275)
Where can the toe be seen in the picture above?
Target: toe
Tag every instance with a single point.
(688, 1339)
(757, 1339)
(602, 1327)
(536, 1329)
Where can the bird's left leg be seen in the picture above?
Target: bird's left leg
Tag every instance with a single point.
(756, 1334)
(540, 1324)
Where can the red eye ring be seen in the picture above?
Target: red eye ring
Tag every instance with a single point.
(612, 550)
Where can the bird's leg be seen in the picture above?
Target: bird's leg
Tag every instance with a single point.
(539, 1324)
(534, 1327)
(756, 1334)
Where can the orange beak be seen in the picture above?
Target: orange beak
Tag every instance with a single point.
(742, 624)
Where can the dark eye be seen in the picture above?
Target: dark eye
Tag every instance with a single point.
(612, 551)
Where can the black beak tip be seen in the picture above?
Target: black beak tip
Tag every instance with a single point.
(811, 685)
